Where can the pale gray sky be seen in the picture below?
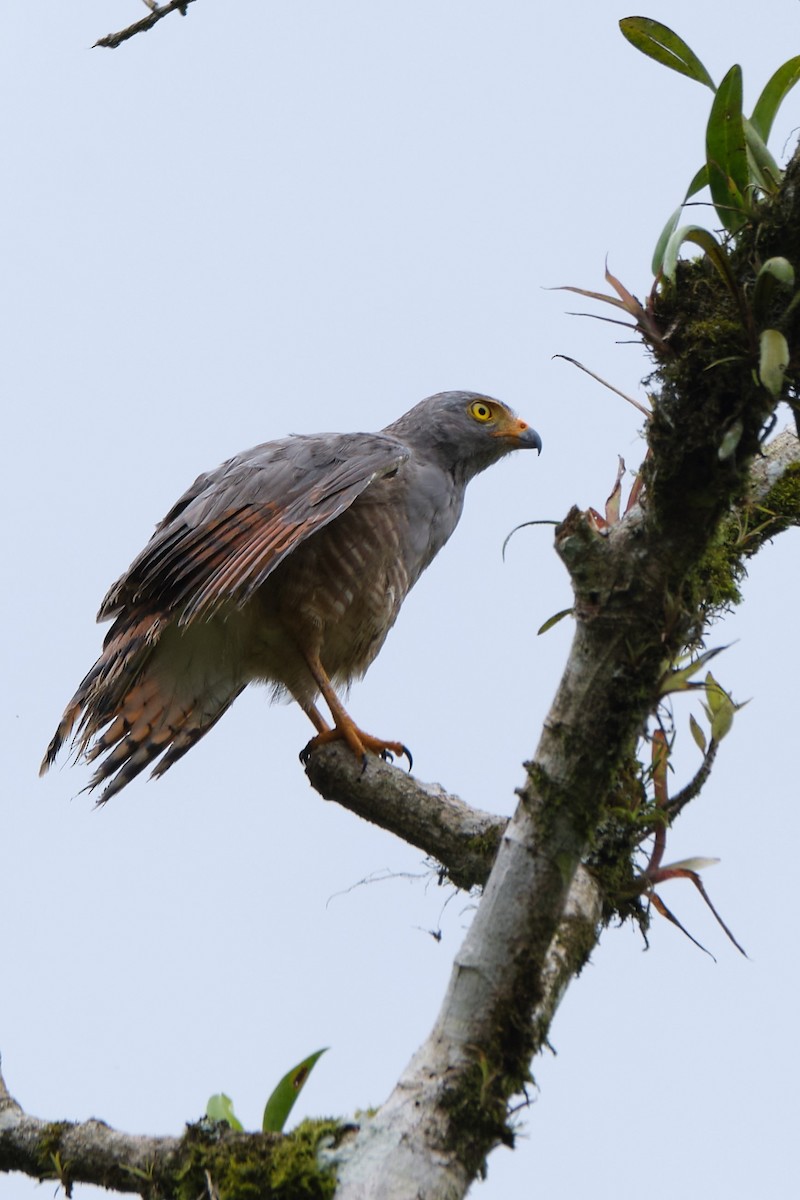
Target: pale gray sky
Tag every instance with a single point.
(280, 217)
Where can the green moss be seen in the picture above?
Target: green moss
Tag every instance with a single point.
(572, 816)
(478, 1112)
(478, 853)
(705, 385)
(48, 1154)
(713, 586)
(485, 845)
(49, 1145)
(256, 1166)
(782, 503)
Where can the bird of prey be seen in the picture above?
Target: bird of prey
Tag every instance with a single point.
(287, 565)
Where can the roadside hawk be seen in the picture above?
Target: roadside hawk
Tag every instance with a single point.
(286, 565)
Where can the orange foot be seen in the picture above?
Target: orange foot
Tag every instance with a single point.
(359, 742)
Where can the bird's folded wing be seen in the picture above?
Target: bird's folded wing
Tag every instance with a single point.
(226, 534)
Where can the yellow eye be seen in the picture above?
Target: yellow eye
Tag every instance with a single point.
(481, 411)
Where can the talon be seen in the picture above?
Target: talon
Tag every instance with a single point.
(407, 754)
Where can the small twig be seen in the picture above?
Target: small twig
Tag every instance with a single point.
(694, 786)
(112, 40)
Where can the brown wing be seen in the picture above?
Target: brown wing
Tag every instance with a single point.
(234, 525)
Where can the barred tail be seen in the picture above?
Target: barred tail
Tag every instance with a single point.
(146, 696)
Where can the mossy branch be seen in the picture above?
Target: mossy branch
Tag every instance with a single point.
(639, 602)
(206, 1156)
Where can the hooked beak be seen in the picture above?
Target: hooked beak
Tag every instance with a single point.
(521, 434)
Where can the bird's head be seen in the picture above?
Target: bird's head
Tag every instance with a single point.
(465, 432)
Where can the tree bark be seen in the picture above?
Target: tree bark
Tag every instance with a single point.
(538, 921)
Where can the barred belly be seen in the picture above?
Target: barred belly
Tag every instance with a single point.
(339, 593)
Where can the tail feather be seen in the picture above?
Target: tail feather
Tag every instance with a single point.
(127, 648)
(146, 696)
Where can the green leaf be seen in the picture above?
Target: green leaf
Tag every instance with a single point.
(729, 202)
(764, 171)
(723, 718)
(220, 1108)
(714, 693)
(775, 275)
(697, 734)
(773, 359)
(677, 680)
(551, 621)
(773, 96)
(708, 243)
(720, 709)
(666, 234)
(726, 153)
(282, 1100)
(699, 181)
(659, 42)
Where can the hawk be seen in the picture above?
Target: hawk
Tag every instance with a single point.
(286, 565)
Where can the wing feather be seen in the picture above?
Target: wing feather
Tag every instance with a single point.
(233, 527)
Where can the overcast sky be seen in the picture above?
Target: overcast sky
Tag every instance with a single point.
(274, 217)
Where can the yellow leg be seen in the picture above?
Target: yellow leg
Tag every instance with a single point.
(344, 727)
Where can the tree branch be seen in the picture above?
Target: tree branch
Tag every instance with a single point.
(209, 1158)
(47, 1150)
(463, 839)
(436, 1092)
(157, 13)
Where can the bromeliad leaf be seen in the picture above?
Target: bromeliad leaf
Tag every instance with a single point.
(773, 96)
(282, 1100)
(663, 240)
(726, 153)
(699, 181)
(707, 242)
(661, 43)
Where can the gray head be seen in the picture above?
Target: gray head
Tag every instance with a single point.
(464, 432)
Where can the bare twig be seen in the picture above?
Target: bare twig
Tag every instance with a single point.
(695, 785)
(157, 12)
